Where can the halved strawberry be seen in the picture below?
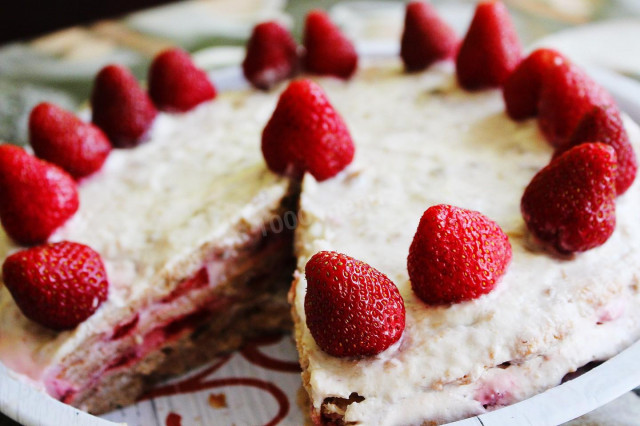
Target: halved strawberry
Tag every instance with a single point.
(521, 89)
(306, 134)
(570, 204)
(456, 255)
(426, 37)
(567, 94)
(272, 55)
(120, 107)
(37, 197)
(176, 84)
(490, 50)
(61, 138)
(352, 309)
(328, 51)
(56, 285)
(604, 125)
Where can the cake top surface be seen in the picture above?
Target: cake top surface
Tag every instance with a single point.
(420, 141)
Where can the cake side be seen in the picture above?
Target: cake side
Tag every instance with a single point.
(181, 223)
(546, 318)
(207, 315)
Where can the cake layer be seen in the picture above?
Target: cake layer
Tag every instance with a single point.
(179, 222)
(234, 296)
(420, 141)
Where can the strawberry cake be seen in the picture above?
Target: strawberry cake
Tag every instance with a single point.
(468, 258)
(546, 317)
(180, 226)
(459, 224)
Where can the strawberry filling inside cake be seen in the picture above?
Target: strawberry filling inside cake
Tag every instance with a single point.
(232, 297)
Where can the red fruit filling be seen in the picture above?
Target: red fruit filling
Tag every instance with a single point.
(200, 280)
(495, 393)
(125, 328)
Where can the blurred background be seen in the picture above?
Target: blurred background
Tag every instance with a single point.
(32, 18)
(51, 50)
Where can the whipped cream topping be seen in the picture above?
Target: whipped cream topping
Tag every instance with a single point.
(151, 212)
(421, 140)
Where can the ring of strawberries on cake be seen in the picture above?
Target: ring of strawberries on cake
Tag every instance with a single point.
(464, 230)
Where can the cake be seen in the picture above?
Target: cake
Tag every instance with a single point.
(181, 223)
(195, 226)
(542, 306)
(547, 317)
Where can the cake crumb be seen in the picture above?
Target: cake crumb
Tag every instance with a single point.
(218, 400)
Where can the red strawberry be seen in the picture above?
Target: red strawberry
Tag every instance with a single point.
(604, 124)
(305, 134)
(120, 107)
(176, 84)
(491, 50)
(56, 285)
(328, 51)
(521, 90)
(570, 204)
(456, 255)
(272, 55)
(60, 137)
(352, 309)
(36, 197)
(567, 94)
(426, 37)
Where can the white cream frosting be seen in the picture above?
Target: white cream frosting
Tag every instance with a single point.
(199, 181)
(420, 141)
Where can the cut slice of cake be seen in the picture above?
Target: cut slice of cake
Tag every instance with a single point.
(421, 141)
(181, 224)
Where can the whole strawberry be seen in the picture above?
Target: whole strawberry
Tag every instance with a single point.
(352, 309)
(36, 197)
(426, 37)
(604, 125)
(306, 134)
(272, 55)
(328, 51)
(120, 107)
(490, 50)
(570, 204)
(456, 255)
(61, 138)
(521, 90)
(567, 94)
(176, 84)
(56, 285)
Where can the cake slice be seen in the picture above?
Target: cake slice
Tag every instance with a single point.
(548, 315)
(182, 225)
